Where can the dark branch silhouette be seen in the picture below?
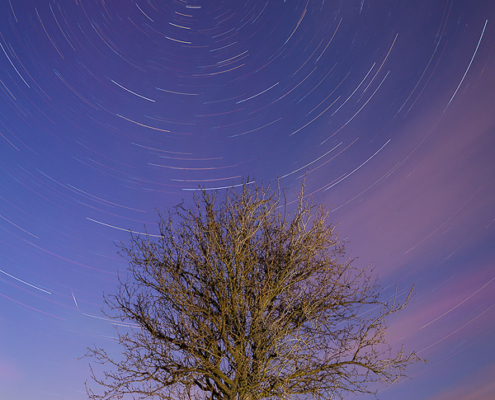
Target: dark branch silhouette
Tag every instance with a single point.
(241, 299)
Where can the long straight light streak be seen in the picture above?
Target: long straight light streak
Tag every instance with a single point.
(469, 66)
(355, 90)
(381, 66)
(319, 115)
(130, 91)
(113, 322)
(256, 95)
(367, 101)
(122, 229)
(349, 174)
(219, 187)
(358, 111)
(74, 297)
(312, 162)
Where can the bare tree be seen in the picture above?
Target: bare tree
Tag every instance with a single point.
(241, 299)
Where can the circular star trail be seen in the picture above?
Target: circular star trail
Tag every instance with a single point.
(112, 109)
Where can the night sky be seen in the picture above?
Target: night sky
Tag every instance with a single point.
(110, 109)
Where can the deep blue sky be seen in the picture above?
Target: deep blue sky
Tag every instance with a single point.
(110, 109)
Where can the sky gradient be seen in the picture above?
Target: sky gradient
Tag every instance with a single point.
(112, 109)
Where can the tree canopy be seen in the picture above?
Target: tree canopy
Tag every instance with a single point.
(243, 296)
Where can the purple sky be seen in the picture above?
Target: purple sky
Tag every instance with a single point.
(110, 109)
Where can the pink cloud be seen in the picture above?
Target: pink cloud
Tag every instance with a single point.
(480, 385)
(450, 313)
(441, 193)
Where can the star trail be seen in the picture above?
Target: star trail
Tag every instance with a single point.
(112, 109)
